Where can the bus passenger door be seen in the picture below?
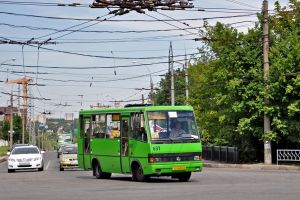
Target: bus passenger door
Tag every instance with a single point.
(125, 166)
(86, 148)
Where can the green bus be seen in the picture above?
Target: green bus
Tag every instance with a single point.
(140, 140)
(64, 138)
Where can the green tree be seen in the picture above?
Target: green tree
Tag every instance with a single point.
(227, 89)
(162, 96)
(17, 127)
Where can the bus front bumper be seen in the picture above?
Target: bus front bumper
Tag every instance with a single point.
(172, 167)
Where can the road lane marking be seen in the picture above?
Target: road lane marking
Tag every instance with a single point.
(48, 164)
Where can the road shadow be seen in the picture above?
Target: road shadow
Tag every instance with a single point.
(25, 171)
(152, 180)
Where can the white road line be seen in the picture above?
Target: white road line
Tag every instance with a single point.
(48, 164)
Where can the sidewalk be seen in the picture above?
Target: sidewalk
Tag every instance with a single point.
(257, 166)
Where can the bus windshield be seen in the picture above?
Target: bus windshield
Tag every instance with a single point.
(172, 126)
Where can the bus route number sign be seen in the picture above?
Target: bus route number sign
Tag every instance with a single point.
(156, 148)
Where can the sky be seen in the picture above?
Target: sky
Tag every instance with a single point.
(129, 41)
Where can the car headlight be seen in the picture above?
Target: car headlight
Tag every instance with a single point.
(38, 158)
(65, 160)
(11, 160)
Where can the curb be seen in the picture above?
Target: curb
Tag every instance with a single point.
(253, 166)
(2, 159)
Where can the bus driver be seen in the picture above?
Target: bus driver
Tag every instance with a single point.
(177, 131)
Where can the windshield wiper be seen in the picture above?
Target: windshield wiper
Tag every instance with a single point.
(163, 139)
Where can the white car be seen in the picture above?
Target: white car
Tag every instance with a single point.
(25, 157)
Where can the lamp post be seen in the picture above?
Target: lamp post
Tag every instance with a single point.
(151, 81)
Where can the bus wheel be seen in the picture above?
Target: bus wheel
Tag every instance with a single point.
(184, 177)
(98, 172)
(138, 174)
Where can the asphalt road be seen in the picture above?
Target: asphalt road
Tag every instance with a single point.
(221, 184)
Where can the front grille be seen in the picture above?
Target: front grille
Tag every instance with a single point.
(174, 157)
(24, 160)
(24, 165)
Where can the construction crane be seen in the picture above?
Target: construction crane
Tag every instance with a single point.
(24, 81)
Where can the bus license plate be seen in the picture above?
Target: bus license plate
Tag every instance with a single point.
(177, 168)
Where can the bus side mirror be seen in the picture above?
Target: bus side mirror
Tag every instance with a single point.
(8, 153)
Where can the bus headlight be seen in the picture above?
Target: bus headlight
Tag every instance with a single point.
(198, 157)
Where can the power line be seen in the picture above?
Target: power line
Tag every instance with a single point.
(95, 31)
(66, 29)
(124, 20)
(86, 26)
(7, 93)
(241, 3)
(82, 5)
(99, 81)
(95, 67)
(104, 57)
(35, 3)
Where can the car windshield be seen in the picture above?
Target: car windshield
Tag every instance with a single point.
(172, 126)
(65, 138)
(27, 150)
(70, 150)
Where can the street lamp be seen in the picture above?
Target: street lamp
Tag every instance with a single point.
(151, 81)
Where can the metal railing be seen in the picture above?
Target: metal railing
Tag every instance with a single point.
(220, 153)
(289, 155)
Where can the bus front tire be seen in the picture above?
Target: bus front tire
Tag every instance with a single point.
(184, 177)
(98, 172)
(138, 174)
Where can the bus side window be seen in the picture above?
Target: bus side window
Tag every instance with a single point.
(98, 126)
(112, 126)
(138, 127)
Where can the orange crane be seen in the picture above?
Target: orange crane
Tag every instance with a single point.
(24, 81)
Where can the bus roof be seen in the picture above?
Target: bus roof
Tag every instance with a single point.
(138, 108)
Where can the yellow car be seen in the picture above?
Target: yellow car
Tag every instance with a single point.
(68, 157)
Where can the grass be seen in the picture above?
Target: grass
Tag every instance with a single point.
(3, 150)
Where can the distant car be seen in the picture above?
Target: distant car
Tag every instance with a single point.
(68, 157)
(25, 157)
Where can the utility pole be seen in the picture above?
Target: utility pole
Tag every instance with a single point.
(267, 120)
(151, 89)
(19, 94)
(81, 96)
(171, 68)
(143, 99)
(186, 79)
(11, 121)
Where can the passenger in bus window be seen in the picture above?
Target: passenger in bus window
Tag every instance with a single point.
(143, 134)
(177, 131)
(115, 132)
